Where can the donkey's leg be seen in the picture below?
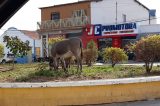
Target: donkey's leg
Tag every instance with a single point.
(50, 64)
(78, 60)
(55, 63)
(80, 63)
(63, 64)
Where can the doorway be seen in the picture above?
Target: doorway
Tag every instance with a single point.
(104, 43)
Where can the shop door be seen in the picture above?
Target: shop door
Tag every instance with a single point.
(104, 43)
(37, 52)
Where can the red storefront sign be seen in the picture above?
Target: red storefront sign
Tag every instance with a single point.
(116, 32)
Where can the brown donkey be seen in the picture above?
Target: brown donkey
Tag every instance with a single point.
(64, 49)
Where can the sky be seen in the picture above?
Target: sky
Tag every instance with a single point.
(28, 16)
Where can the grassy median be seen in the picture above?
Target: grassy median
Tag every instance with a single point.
(39, 72)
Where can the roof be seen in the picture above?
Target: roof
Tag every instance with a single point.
(67, 4)
(31, 34)
(90, 1)
(8, 8)
(142, 5)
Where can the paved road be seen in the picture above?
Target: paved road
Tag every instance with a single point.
(137, 103)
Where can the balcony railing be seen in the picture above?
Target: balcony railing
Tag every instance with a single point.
(63, 23)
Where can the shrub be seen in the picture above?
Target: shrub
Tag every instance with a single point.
(114, 55)
(91, 53)
(1, 50)
(89, 56)
(54, 40)
(91, 45)
(148, 50)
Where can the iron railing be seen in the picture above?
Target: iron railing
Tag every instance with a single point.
(63, 23)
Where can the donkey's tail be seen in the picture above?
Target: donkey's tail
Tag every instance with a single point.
(81, 46)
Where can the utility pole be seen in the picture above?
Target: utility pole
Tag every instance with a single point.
(116, 11)
(149, 17)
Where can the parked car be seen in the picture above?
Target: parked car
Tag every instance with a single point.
(7, 58)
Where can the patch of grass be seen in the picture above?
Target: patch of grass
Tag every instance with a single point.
(20, 70)
(39, 72)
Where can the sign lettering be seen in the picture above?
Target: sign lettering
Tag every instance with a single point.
(103, 30)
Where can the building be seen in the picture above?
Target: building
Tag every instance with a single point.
(31, 36)
(63, 20)
(107, 22)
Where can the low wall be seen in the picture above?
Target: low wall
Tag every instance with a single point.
(79, 92)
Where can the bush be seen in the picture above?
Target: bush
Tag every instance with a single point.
(89, 56)
(91, 45)
(1, 50)
(148, 50)
(54, 40)
(91, 53)
(114, 55)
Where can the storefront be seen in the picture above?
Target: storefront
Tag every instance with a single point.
(110, 35)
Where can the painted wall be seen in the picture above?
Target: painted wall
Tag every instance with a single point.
(15, 32)
(104, 12)
(79, 92)
(154, 28)
(66, 10)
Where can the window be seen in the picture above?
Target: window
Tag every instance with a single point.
(104, 42)
(124, 17)
(79, 13)
(55, 16)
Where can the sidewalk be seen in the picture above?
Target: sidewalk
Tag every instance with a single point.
(129, 63)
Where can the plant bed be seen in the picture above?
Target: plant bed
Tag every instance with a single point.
(39, 72)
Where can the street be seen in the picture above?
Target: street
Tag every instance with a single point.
(137, 103)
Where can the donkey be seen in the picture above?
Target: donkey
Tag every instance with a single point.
(64, 49)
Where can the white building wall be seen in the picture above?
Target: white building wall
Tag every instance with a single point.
(153, 20)
(14, 32)
(147, 29)
(104, 12)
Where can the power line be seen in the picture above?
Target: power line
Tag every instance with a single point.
(144, 19)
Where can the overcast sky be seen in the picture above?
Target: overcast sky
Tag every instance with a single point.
(26, 18)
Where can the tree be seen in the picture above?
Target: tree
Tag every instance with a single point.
(52, 41)
(16, 46)
(114, 55)
(91, 53)
(148, 50)
(1, 50)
